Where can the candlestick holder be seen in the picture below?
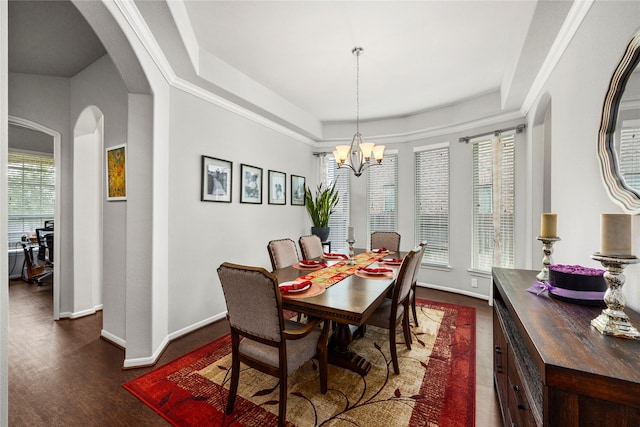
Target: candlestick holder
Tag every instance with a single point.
(613, 320)
(351, 261)
(547, 250)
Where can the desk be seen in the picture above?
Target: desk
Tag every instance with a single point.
(348, 302)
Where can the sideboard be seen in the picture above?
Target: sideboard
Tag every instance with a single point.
(552, 368)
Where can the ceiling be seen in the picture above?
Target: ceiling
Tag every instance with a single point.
(418, 55)
(50, 38)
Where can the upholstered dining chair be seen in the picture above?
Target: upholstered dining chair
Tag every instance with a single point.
(260, 336)
(310, 246)
(395, 310)
(282, 253)
(412, 292)
(385, 239)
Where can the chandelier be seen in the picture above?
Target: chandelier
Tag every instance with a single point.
(358, 155)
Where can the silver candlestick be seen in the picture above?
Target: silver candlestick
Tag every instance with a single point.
(351, 261)
(547, 249)
(613, 320)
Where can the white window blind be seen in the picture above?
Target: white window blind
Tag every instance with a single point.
(432, 203)
(483, 221)
(630, 153)
(31, 187)
(382, 195)
(339, 220)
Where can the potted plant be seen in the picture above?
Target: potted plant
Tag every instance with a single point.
(320, 208)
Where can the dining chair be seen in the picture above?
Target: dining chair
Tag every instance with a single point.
(412, 292)
(260, 335)
(310, 246)
(385, 239)
(395, 310)
(282, 253)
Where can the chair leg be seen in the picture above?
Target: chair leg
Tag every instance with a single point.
(282, 407)
(413, 304)
(394, 350)
(235, 373)
(413, 309)
(406, 329)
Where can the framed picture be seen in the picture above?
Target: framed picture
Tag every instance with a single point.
(216, 180)
(117, 172)
(251, 184)
(297, 190)
(277, 188)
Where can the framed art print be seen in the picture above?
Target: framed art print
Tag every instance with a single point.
(216, 180)
(297, 190)
(117, 172)
(251, 184)
(277, 188)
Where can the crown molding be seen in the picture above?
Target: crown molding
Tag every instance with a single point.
(411, 136)
(576, 15)
(137, 23)
(132, 15)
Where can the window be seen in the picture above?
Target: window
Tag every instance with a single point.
(339, 219)
(484, 198)
(382, 194)
(432, 202)
(31, 187)
(630, 153)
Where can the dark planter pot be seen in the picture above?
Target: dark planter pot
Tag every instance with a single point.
(321, 232)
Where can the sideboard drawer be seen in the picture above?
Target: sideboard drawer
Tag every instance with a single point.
(519, 406)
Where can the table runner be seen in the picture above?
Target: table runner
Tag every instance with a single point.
(333, 274)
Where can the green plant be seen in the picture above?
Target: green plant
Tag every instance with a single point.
(322, 205)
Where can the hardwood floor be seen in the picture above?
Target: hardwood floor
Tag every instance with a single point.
(63, 374)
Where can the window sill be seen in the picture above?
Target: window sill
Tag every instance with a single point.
(439, 267)
(479, 273)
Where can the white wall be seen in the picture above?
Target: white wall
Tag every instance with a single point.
(576, 89)
(203, 235)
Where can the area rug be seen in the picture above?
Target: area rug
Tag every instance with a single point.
(436, 385)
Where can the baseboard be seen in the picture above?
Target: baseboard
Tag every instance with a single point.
(142, 362)
(78, 314)
(453, 290)
(198, 325)
(113, 339)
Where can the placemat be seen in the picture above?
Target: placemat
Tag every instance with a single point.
(314, 290)
(364, 275)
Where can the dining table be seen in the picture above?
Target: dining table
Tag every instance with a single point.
(348, 302)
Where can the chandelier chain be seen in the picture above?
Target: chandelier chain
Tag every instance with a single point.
(357, 53)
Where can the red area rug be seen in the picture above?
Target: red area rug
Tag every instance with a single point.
(436, 385)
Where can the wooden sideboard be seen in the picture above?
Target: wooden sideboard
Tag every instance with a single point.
(552, 368)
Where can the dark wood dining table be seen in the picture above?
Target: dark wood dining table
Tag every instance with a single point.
(348, 303)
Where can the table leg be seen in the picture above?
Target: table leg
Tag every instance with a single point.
(341, 355)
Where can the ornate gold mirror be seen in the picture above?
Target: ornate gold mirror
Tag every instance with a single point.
(619, 136)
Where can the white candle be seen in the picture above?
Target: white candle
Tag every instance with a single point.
(351, 233)
(615, 234)
(548, 225)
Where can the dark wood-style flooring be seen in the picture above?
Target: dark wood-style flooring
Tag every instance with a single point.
(61, 373)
